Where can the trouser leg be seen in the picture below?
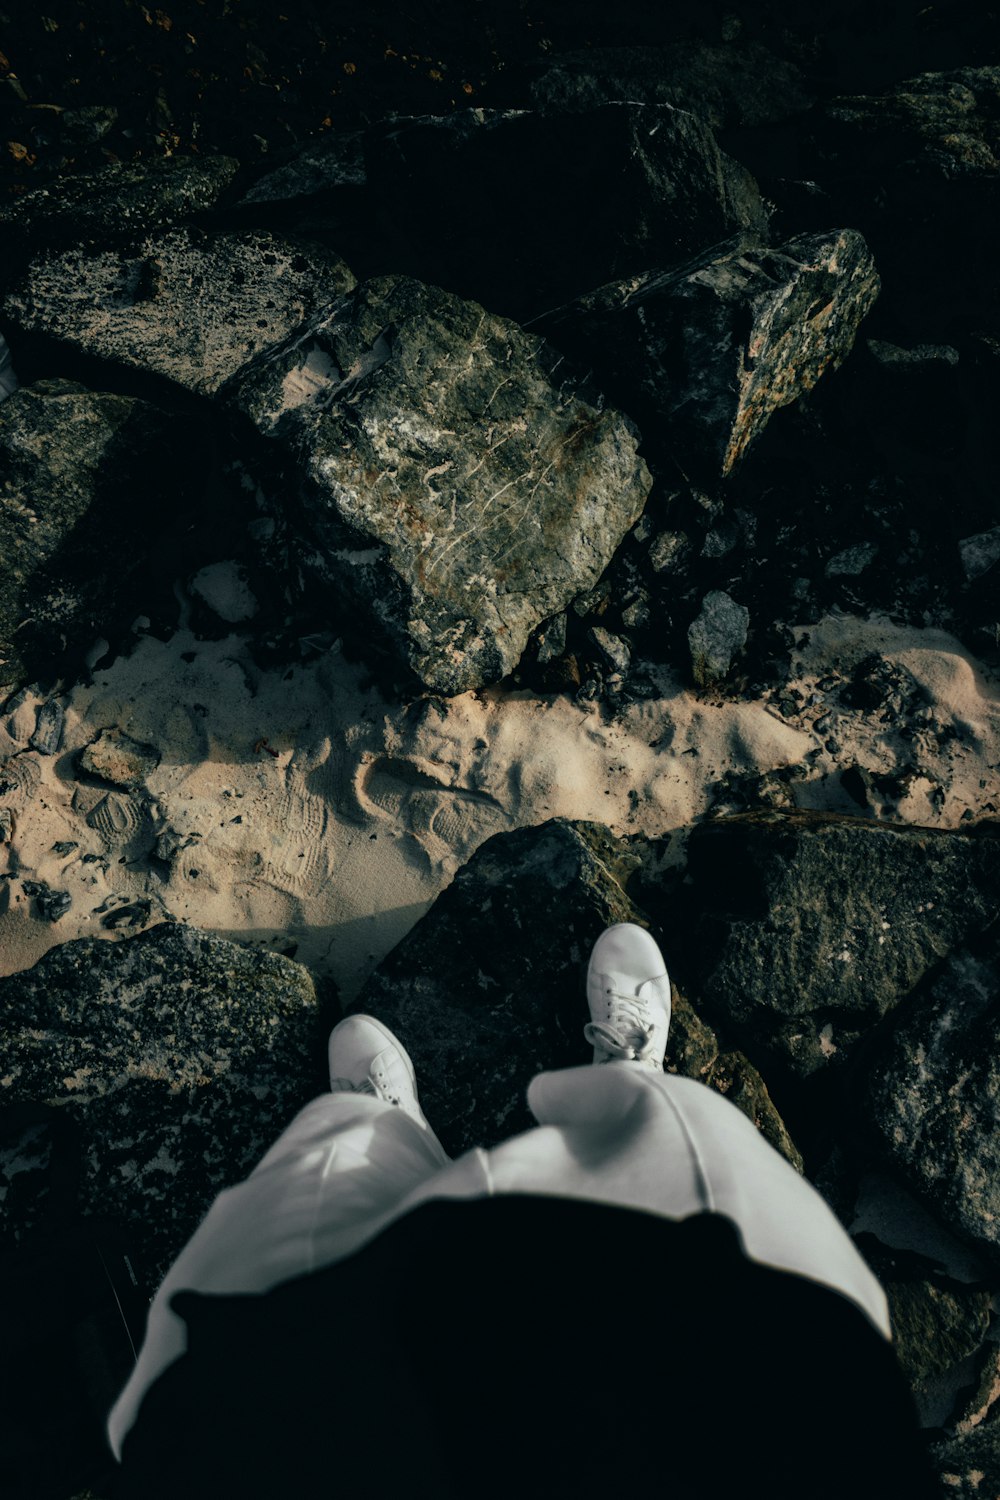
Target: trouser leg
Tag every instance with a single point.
(623, 1134)
(329, 1183)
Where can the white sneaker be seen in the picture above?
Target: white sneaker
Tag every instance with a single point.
(365, 1058)
(628, 990)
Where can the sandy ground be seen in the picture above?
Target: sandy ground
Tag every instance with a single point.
(298, 809)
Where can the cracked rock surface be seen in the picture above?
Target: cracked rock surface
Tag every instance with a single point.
(458, 489)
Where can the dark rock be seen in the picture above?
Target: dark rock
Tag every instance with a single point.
(51, 904)
(318, 166)
(114, 756)
(852, 561)
(980, 553)
(489, 987)
(551, 639)
(809, 928)
(612, 650)
(122, 199)
(87, 125)
(935, 1095)
(735, 1077)
(8, 379)
(177, 1056)
(77, 550)
(946, 123)
(453, 492)
(48, 727)
(191, 306)
(716, 637)
(979, 1398)
(969, 1464)
(600, 194)
(727, 85)
(705, 353)
(934, 1327)
(483, 996)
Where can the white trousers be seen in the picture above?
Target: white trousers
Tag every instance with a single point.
(350, 1164)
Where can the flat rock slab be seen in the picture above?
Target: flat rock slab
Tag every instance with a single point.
(710, 350)
(179, 1057)
(935, 1096)
(456, 491)
(76, 547)
(123, 198)
(521, 209)
(810, 928)
(489, 988)
(190, 306)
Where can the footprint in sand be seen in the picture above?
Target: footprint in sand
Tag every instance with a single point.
(300, 863)
(455, 819)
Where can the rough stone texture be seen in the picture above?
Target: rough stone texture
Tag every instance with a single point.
(935, 1327)
(76, 547)
(317, 166)
(121, 199)
(808, 928)
(935, 1096)
(734, 1076)
(600, 194)
(191, 306)
(710, 350)
(728, 86)
(979, 1399)
(489, 987)
(717, 636)
(947, 123)
(178, 1057)
(114, 756)
(969, 1465)
(455, 492)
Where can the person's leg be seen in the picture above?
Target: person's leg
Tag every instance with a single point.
(622, 1131)
(333, 1179)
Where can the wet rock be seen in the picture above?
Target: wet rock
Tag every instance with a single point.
(728, 86)
(704, 354)
(969, 1464)
(178, 1058)
(122, 199)
(190, 306)
(808, 928)
(453, 492)
(717, 637)
(934, 1097)
(114, 756)
(78, 553)
(601, 194)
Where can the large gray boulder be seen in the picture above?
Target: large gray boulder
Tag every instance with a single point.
(177, 1057)
(457, 490)
(190, 306)
(121, 199)
(705, 353)
(810, 928)
(489, 987)
(935, 1096)
(77, 548)
(594, 195)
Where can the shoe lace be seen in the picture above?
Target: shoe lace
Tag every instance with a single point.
(367, 1086)
(628, 1035)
